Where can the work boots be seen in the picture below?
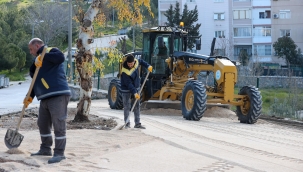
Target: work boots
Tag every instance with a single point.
(42, 153)
(127, 125)
(56, 158)
(139, 126)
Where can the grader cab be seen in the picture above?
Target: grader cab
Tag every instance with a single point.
(175, 77)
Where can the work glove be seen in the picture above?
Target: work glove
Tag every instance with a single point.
(137, 96)
(150, 69)
(38, 62)
(27, 101)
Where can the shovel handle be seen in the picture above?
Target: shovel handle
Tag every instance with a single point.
(140, 91)
(127, 120)
(30, 88)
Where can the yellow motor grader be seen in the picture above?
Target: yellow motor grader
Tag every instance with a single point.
(175, 77)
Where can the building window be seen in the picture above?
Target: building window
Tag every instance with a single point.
(242, 14)
(219, 16)
(239, 49)
(262, 50)
(284, 32)
(262, 31)
(264, 15)
(284, 14)
(190, 0)
(218, 0)
(219, 34)
(219, 52)
(242, 32)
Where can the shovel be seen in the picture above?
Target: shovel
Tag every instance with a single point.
(12, 138)
(127, 120)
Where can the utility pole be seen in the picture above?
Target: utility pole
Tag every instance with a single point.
(134, 38)
(113, 17)
(33, 30)
(70, 42)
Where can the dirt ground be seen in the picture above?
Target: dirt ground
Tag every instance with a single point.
(29, 121)
(270, 146)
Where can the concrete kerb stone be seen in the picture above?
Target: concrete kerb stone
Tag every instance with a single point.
(96, 94)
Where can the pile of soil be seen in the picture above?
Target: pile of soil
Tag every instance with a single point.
(29, 121)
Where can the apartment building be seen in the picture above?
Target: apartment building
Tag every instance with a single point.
(287, 20)
(245, 26)
(251, 24)
(214, 19)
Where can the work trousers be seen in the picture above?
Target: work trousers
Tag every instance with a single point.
(128, 101)
(53, 112)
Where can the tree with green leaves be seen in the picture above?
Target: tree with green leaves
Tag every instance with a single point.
(12, 38)
(188, 17)
(300, 57)
(173, 15)
(151, 19)
(243, 57)
(138, 37)
(285, 48)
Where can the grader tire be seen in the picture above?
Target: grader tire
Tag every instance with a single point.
(114, 95)
(193, 100)
(251, 110)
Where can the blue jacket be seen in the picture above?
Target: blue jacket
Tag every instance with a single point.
(51, 80)
(130, 78)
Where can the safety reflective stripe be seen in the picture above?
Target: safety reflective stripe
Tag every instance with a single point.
(46, 135)
(131, 71)
(45, 83)
(48, 49)
(62, 137)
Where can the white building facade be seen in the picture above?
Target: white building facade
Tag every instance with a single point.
(250, 26)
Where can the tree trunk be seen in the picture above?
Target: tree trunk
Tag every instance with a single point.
(128, 11)
(84, 60)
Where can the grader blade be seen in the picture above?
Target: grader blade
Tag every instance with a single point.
(154, 104)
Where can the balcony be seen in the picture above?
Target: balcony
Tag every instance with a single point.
(237, 3)
(261, 3)
(262, 39)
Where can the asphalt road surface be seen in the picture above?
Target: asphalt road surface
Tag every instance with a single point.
(11, 99)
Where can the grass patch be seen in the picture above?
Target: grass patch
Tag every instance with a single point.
(18, 3)
(278, 95)
(282, 102)
(100, 31)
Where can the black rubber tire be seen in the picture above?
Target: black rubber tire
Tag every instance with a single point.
(251, 110)
(114, 94)
(193, 100)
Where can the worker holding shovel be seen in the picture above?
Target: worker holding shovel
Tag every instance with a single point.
(130, 86)
(51, 88)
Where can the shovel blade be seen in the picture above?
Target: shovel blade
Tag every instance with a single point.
(122, 127)
(13, 139)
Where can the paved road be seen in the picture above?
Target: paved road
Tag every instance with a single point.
(11, 99)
